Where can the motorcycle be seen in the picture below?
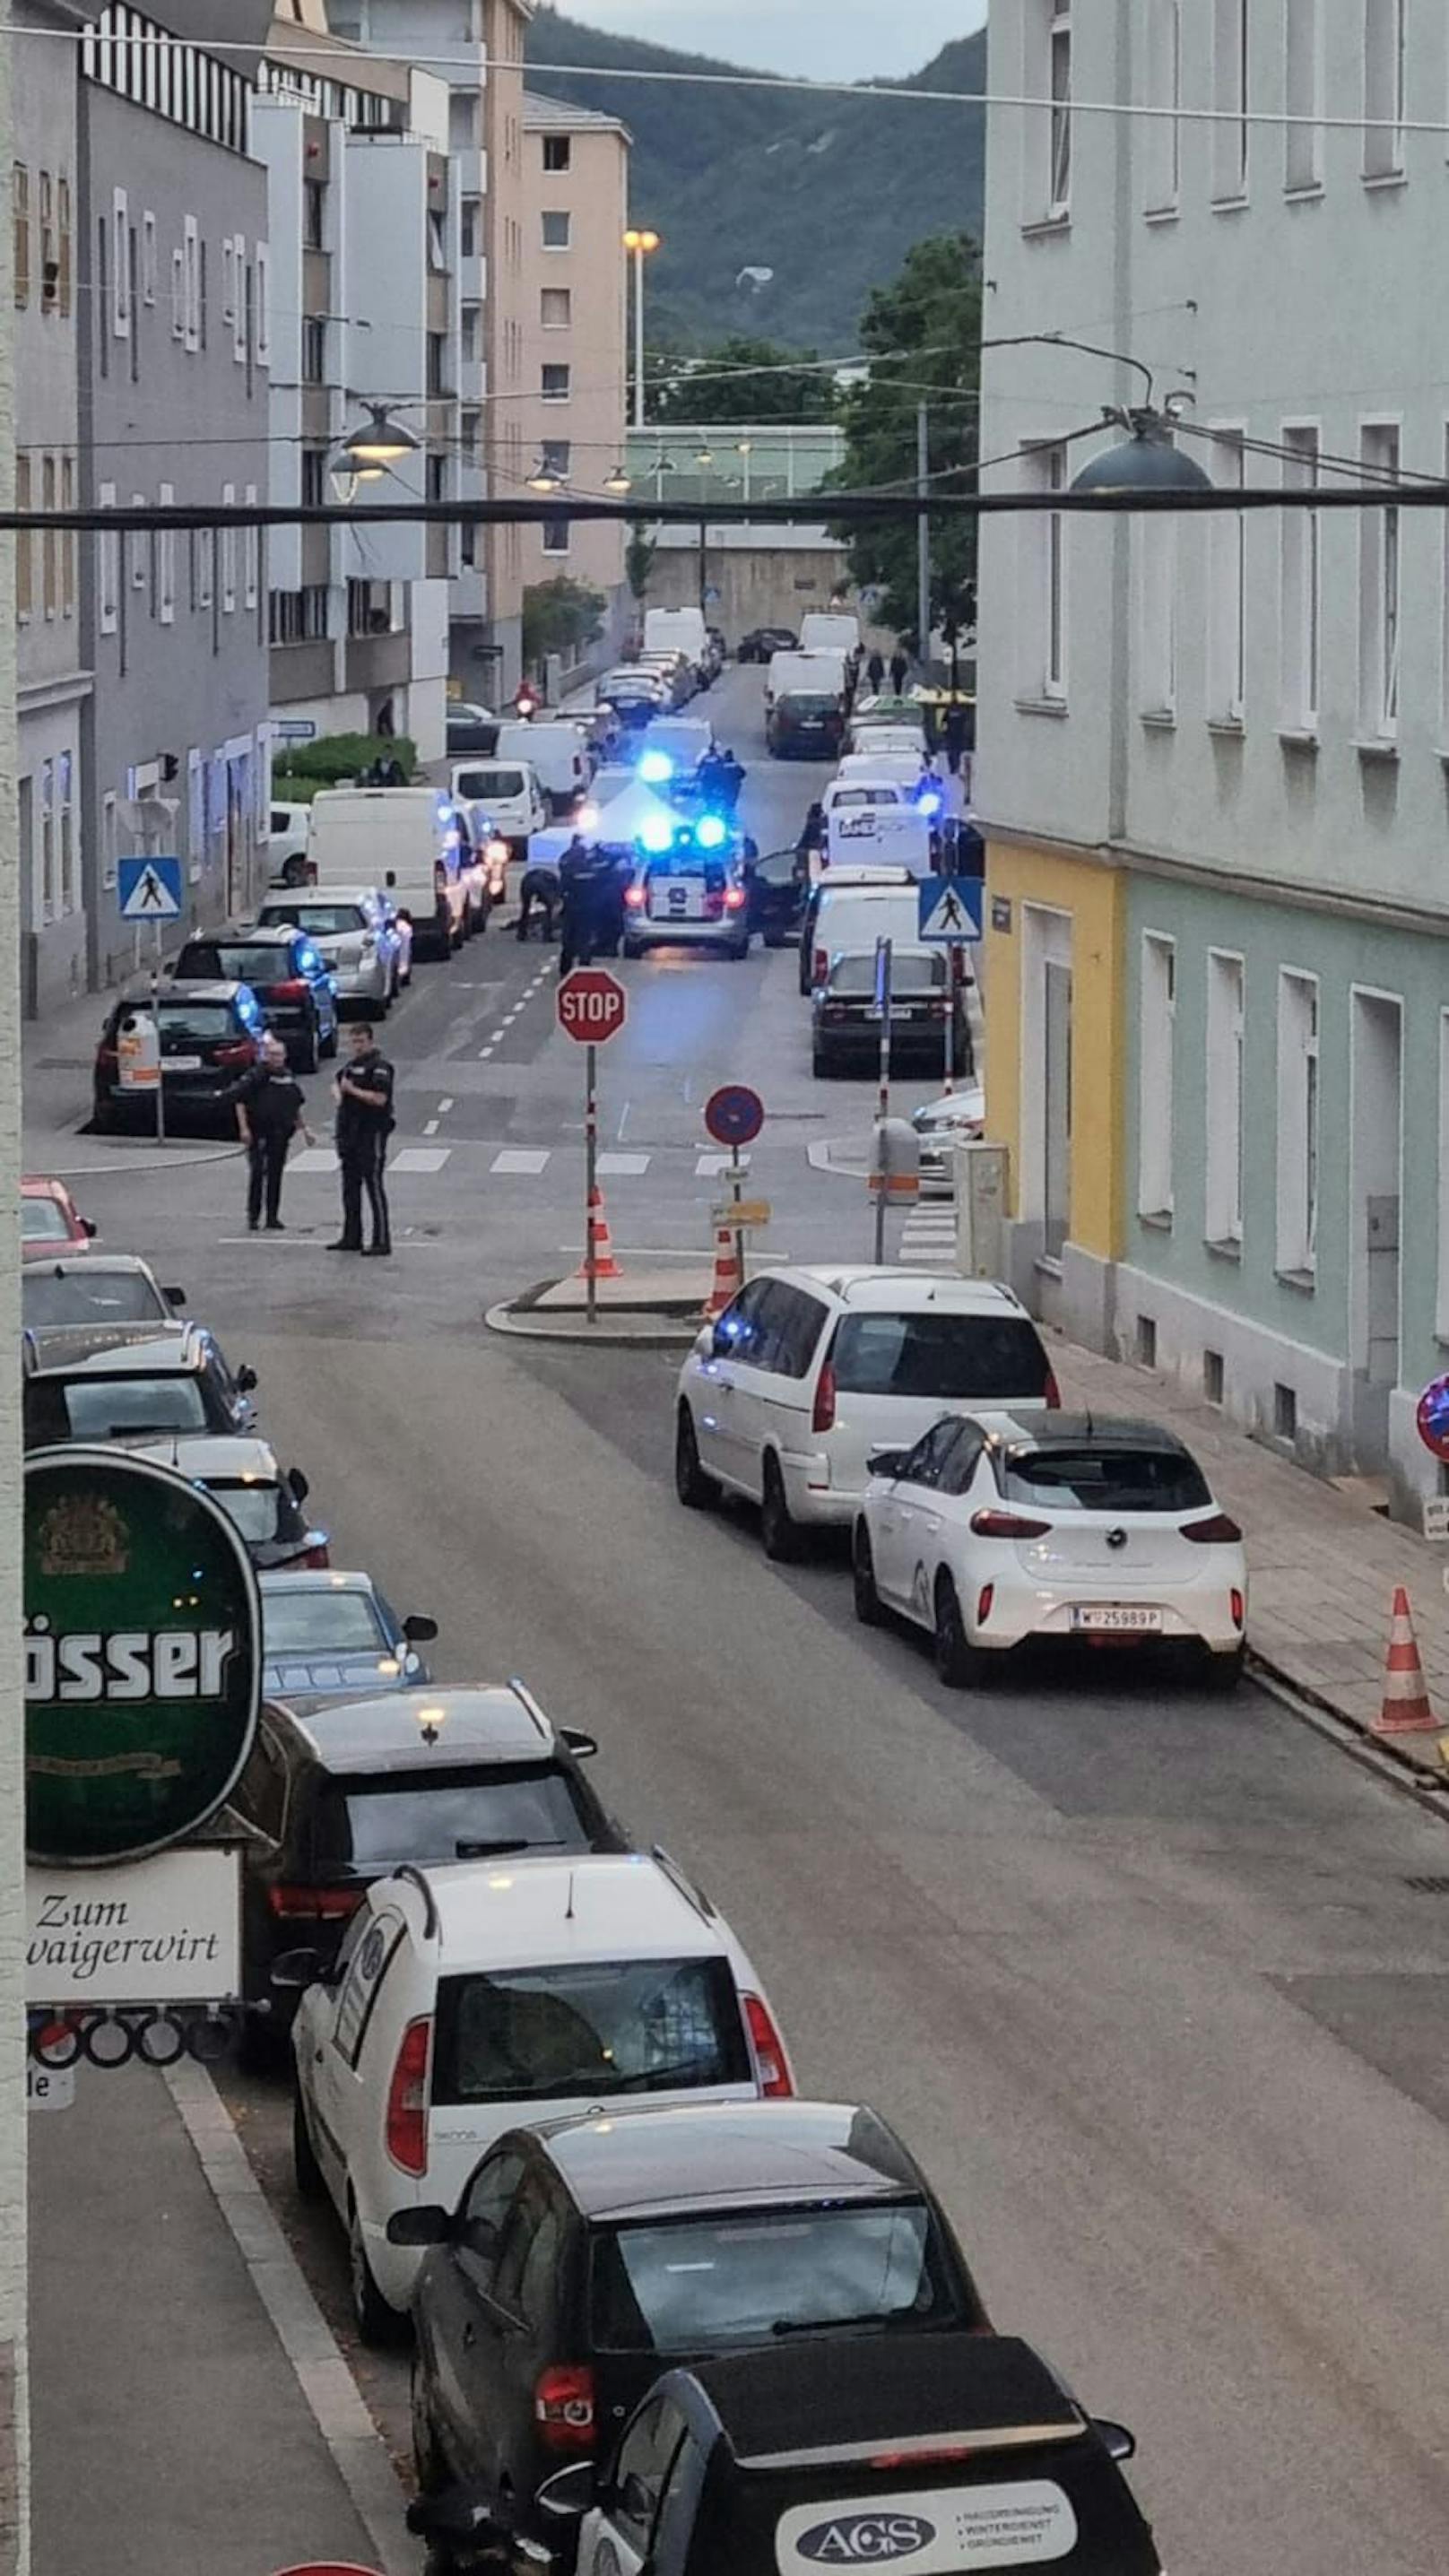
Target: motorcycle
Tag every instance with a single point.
(472, 2533)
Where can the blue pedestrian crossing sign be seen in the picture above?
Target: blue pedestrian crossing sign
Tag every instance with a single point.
(950, 909)
(149, 889)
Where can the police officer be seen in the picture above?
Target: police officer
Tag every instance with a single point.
(577, 880)
(363, 1092)
(538, 892)
(875, 673)
(269, 1112)
(900, 666)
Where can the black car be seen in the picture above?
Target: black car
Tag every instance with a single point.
(762, 641)
(779, 884)
(289, 976)
(845, 1027)
(345, 1791)
(471, 730)
(135, 1382)
(805, 725)
(210, 1034)
(952, 2451)
(589, 2253)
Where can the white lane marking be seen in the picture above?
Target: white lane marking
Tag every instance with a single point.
(430, 1127)
(708, 1166)
(444, 1106)
(314, 1158)
(508, 1018)
(520, 1158)
(623, 1166)
(497, 1035)
(484, 1054)
(420, 1158)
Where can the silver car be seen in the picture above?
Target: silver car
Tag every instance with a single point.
(366, 945)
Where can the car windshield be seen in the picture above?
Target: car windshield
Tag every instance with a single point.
(111, 1408)
(384, 1819)
(43, 1221)
(483, 783)
(956, 1358)
(233, 962)
(864, 796)
(1105, 1480)
(204, 1023)
(696, 2284)
(322, 920)
(601, 2027)
(89, 1296)
(311, 1619)
(260, 1509)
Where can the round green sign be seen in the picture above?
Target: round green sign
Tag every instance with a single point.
(142, 1656)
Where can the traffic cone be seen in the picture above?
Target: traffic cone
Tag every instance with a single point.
(1405, 1709)
(599, 1249)
(729, 1277)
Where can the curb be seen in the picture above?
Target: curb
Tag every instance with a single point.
(622, 1327)
(126, 1148)
(1380, 1755)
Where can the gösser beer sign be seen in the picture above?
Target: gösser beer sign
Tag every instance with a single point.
(142, 1670)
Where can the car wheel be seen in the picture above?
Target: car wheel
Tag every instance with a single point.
(1222, 1673)
(306, 2171)
(695, 1489)
(740, 950)
(773, 938)
(429, 2466)
(376, 2322)
(958, 1662)
(862, 1568)
(820, 1065)
(308, 1050)
(328, 1045)
(631, 948)
(778, 1531)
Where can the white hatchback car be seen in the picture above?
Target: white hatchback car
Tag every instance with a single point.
(465, 1997)
(785, 1396)
(998, 1528)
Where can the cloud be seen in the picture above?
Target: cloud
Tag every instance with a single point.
(821, 39)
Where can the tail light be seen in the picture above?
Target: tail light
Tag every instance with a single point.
(407, 2099)
(1219, 1531)
(313, 1558)
(936, 1009)
(1052, 1394)
(734, 898)
(634, 897)
(294, 988)
(1238, 1606)
(823, 1416)
(1008, 1525)
(984, 1599)
(820, 966)
(769, 2049)
(563, 2407)
(314, 1904)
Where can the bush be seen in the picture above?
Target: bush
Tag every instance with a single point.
(334, 757)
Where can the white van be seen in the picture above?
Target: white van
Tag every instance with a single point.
(830, 631)
(415, 844)
(557, 751)
(877, 818)
(504, 799)
(849, 919)
(678, 630)
(807, 675)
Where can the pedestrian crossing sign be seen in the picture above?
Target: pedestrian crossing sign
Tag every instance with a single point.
(950, 909)
(149, 889)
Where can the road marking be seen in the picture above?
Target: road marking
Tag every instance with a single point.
(430, 1127)
(484, 1054)
(709, 1166)
(928, 1238)
(314, 1158)
(444, 1106)
(420, 1158)
(497, 1037)
(623, 1166)
(520, 1158)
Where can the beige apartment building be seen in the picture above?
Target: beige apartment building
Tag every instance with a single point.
(574, 200)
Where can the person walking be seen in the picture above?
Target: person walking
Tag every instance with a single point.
(900, 667)
(875, 673)
(270, 1111)
(363, 1092)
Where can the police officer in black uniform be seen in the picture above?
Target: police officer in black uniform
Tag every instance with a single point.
(579, 874)
(269, 1111)
(363, 1092)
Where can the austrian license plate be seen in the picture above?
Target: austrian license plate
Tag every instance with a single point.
(676, 903)
(182, 1064)
(1115, 1619)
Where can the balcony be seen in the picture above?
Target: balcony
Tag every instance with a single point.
(377, 661)
(299, 671)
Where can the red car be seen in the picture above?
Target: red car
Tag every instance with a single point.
(50, 1221)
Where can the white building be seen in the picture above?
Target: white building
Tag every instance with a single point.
(1214, 753)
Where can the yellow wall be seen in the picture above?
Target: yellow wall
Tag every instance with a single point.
(1096, 898)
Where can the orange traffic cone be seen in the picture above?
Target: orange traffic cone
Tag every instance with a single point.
(599, 1249)
(729, 1277)
(1405, 1709)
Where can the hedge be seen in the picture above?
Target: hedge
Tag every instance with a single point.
(333, 758)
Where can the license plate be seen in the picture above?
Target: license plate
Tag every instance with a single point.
(1110, 1618)
(182, 1064)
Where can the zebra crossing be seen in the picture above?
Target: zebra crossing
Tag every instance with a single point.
(928, 1237)
(518, 1162)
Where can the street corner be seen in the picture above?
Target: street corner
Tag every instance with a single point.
(129, 1154)
(649, 1310)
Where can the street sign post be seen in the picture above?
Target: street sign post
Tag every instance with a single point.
(949, 916)
(294, 729)
(733, 1116)
(149, 889)
(883, 1097)
(592, 1006)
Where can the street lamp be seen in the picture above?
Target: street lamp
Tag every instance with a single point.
(1148, 461)
(639, 244)
(618, 483)
(745, 447)
(544, 478)
(382, 441)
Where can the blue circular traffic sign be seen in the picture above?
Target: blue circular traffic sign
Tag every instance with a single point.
(734, 1115)
(1433, 1418)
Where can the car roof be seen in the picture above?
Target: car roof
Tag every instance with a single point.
(664, 2157)
(121, 1350)
(533, 1910)
(877, 883)
(438, 1725)
(774, 2406)
(328, 893)
(1077, 1431)
(316, 1579)
(217, 1457)
(233, 933)
(88, 1265)
(869, 1290)
(184, 988)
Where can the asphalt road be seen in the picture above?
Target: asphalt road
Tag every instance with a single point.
(1142, 1976)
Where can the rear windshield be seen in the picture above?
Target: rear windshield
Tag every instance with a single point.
(490, 782)
(236, 963)
(323, 920)
(806, 708)
(864, 796)
(208, 1023)
(105, 1297)
(689, 863)
(701, 2284)
(43, 1221)
(1106, 1480)
(617, 2026)
(980, 1358)
(260, 1510)
(111, 1408)
(912, 972)
(380, 1821)
(308, 1619)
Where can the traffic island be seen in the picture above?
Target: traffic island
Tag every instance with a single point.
(652, 1309)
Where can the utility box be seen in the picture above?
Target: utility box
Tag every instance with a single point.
(981, 1176)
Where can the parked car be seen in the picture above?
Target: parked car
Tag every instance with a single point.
(762, 641)
(131, 1382)
(50, 1221)
(880, 881)
(244, 1474)
(957, 1117)
(99, 1288)
(678, 673)
(504, 802)
(778, 890)
(997, 1530)
(287, 844)
(334, 1636)
(844, 1027)
(416, 845)
(470, 729)
(361, 938)
(649, 2238)
(463, 1996)
(805, 724)
(288, 975)
(210, 1034)
(809, 1370)
(559, 749)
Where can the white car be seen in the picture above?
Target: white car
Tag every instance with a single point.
(366, 944)
(997, 1528)
(786, 1395)
(287, 844)
(940, 1125)
(247, 1479)
(503, 801)
(695, 897)
(465, 1997)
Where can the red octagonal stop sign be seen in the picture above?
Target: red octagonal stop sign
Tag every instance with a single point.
(592, 1005)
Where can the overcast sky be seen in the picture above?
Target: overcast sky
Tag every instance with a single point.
(826, 39)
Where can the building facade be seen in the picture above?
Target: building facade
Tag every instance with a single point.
(575, 206)
(1212, 751)
(743, 575)
(172, 269)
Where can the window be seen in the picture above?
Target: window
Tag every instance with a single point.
(437, 362)
(67, 539)
(228, 280)
(148, 259)
(480, 2219)
(1163, 141)
(191, 257)
(314, 478)
(555, 308)
(24, 546)
(1157, 541)
(470, 227)
(262, 304)
(251, 554)
(50, 541)
(470, 438)
(1299, 627)
(1230, 99)
(1383, 88)
(108, 567)
(951, 1358)
(558, 152)
(110, 840)
(1297, 1123)
(554, 384)
(556, 456)
(435, 476)
(20, 232)
(437, 241)
(645, 2459)
(1303, 85)
(47, 840)
(314, 214)
(1043, 586)
(49, 246)
(228, 553)
(1154, 1076)
(314, 349)
(120, 267)
(472, 333)
(592, 2028)
(557, 228)
(65, 830)
(241, 294)
(1223, 1181)
(1379, 594)
(138, 546)
(1227, 588)
(63, 238)
(204, 542)
(555, 536)
(178, 295)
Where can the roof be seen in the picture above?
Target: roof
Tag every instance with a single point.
(884, 1290)
(121, 1350)
(659, 2158)
(401, 1730)
(535, 1911)
(773, 2405)
(89, 1265)
(217, 1458)
(233, 934)
(1079, 1430)
(315, 1579)
(183, 988)
(560, 116)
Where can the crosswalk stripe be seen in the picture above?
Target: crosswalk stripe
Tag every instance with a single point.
(520, 1158)
(709, 1166)
(622, 1166)
(420, 1158)
(315, 1158)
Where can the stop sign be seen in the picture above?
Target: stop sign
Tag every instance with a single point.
(592, 1005)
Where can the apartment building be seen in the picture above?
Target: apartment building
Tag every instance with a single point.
(173, 279)
(1213, 752)
(364, 225)
(573, 417)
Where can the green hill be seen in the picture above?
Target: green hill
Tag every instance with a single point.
(829, 193)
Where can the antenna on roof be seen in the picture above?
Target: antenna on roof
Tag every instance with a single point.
(569, 1908)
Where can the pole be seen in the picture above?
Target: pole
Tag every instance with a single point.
(949, 1069)
(923, 536)
(639, 336)
(736, 1193)
(703, 564)
(883, 1097)
(156, 1025)
(591, 1177)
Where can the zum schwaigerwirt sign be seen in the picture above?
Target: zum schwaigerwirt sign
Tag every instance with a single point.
(142, 1662)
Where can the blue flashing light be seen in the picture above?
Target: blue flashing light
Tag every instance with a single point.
(710, 832)
(930, 802)
(657, 836)
(309, 960)
(655, 767)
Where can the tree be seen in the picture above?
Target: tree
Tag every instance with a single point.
(739, 379)
(923, 335)
(559, 615)
(639, 564)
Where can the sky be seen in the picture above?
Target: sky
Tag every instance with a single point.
(824, 39)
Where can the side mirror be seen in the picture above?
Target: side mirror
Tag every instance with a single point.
(298, 1484)
(568, 2493)
(174, 1296)
(418, 1629)
(582, 1746)
(429, 2225)
(89, 1228)
(1118, 2443)
(885, 1462)
(294, 1969)
(246, 1379)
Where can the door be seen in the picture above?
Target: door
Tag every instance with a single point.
(617, 2538)
(458, 2333)
(1374, 1259)
(339, 2098)
(903, 1518)
(723, 1413)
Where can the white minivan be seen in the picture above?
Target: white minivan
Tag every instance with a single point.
(504, 799)
(556, 749)
(415, 844)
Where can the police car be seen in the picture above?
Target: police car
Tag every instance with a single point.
(689, 888)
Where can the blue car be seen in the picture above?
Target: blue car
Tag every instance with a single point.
(333, 1636)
